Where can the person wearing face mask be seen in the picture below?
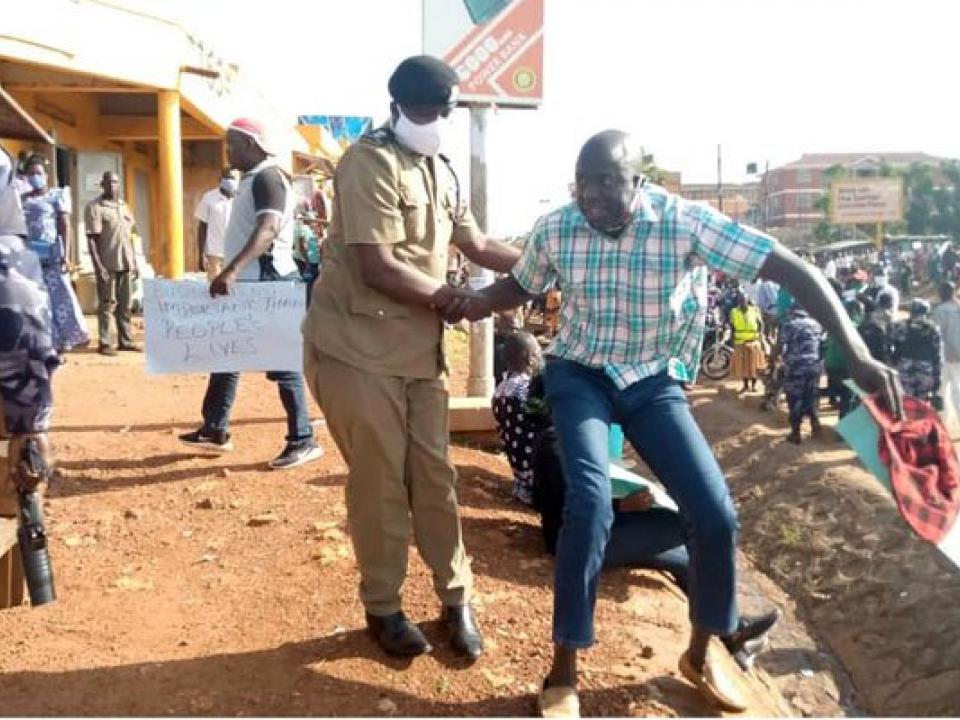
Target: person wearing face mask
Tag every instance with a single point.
(373, 352)
(47, 213)
(212, 214)
(27, 355)
(259, 248)
(631, 330)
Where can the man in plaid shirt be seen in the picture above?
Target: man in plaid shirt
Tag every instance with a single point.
(629, 260)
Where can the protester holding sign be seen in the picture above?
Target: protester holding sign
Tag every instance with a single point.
(258, 246)
(373, 352)
(628, 341)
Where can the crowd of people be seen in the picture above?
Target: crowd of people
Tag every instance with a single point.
(627, 344)
(776, 340)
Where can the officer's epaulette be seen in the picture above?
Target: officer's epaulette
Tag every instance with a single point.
(378, 136)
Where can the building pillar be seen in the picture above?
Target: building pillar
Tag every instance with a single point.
(170, 155)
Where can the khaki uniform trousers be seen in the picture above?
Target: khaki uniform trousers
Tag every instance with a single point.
(393, 433)
(115, 296)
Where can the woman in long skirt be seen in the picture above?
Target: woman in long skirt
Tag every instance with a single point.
(749, 358)
(47, 212)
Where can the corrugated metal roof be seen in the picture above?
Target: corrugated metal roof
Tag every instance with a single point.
(17, 124)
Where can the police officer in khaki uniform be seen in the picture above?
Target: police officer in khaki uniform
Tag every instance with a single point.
(373, 354)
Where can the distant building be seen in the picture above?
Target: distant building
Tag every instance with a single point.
(671, 181)
(741, 202)
(788, 194)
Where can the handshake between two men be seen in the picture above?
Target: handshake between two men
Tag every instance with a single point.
(455, 304)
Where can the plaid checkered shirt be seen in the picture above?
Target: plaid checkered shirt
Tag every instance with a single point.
(635, 305)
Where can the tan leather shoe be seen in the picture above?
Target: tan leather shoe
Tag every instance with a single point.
(559, 702)
(715, 685)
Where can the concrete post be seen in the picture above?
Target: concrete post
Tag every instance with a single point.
(170, 154)
(480, 382)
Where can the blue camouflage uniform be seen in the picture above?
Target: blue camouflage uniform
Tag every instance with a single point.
(27, 355)
(800, 338)
(918, 357)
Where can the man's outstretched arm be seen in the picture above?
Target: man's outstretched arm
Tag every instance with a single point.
(814, 294)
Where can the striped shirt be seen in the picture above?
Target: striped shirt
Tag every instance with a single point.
(635, 305)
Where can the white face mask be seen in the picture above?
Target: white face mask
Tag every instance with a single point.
(424, 139)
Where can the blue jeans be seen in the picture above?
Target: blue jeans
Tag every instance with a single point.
(652, 539)
(222, 389)
(656, 419)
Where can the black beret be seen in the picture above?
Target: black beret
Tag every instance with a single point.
(422, 80)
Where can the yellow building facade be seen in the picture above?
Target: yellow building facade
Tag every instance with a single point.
(95, 87)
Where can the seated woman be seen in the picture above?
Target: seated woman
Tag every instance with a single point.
(643, 535)
(517, 429)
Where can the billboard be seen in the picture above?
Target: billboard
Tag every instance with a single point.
(866, 200)
(496, 47)
(345, 129)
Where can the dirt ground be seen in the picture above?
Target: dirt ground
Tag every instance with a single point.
(191, 585)
(821, 527)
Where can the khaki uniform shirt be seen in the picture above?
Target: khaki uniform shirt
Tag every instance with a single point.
(113, 222)
(385, 194)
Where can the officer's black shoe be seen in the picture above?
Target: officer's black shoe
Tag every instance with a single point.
(750, 628)
(465, 637)
(397, 635)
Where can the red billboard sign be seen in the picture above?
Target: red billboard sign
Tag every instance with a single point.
(496, 47)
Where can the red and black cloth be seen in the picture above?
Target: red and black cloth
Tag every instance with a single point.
(924, 469)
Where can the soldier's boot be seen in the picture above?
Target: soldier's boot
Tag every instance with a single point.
(30, 460)
(816, 429)
(794, 435)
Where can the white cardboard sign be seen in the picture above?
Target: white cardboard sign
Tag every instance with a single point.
(256, 327)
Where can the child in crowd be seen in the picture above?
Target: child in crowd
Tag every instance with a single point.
(506, 323)
(515, 426)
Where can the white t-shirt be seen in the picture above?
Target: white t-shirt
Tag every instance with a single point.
(264, 189)
(214, 210)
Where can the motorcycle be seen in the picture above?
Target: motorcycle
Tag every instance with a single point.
(717, 356)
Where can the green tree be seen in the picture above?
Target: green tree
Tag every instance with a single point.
(919, 189)
(946, 199)
(933, 199)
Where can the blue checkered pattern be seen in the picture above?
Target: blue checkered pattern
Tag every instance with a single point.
(635, 305)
